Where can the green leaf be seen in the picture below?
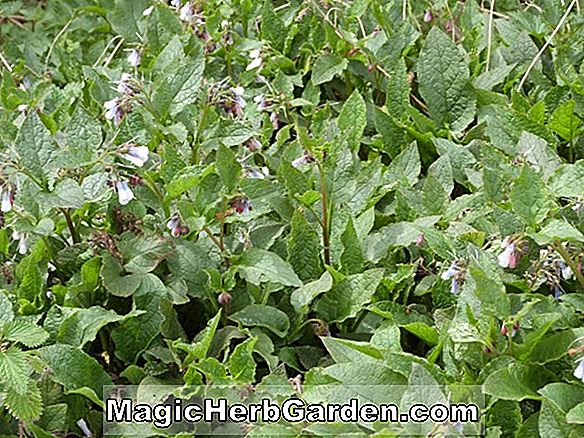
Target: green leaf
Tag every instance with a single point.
(565, 122)
(113, 280)
(352, 119)
(134, 335)
(539, 153)
(27, 406)
(83, 138)
(73, 368)
(272, 28)
(258, 266)
(145, 253)
(228, 168)
(567, 180)
(28, 334)
(490, 291)
(203, 341)
(444, 81)
(67, 194)
(263, 316)
(515, 382)
(349, 296)
(174, 91)
(83, 325)
(37, 153)
(304, 248)
(15, 370)
(557, 229)
(529, 197)
(241, 364)
(326, 67)
(352, 258)
(125, 18)
(304, 295)
(405, 168)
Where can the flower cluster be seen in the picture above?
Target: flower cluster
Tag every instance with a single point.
(7, 198)
(241, 205)
(119, 106)
(455, 274)
(513, 249)
(176, 226)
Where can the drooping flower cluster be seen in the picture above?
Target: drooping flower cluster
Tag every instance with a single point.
(256, 60)
(455, 274)
(137, 155)
(513, 249)
(176, 226)
(121, 105)
(551, 269)
(241, 205)
(22, 241)
(514, 329)
(305, 158)
(7, 198)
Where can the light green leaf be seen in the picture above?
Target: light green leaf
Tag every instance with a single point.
(28, 334)
(73, 368)
(557, 229)
(304, 248)
(565, 122)
(28, 406)
(405, 168)
(15, 370)
(444, 81)
(263, 316)
(515, 382)
(241, 364)
(303, 296)
(326, 67)
(272, 28)
(529, 197)
(352, 119)
(258, 266)
(83, 325)
(228, 168)
(349, 296)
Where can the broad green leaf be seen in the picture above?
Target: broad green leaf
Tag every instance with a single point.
(304, 248)
(326, 67)
(113, 279)
(125, 18)
(26, 333)
(344, 350)
(173, 92)
(259, 266)
(539, 153)
(203, 341)
(444, 81)
(134, 335)
(304, 295)
(349, 296)
(83, 139)
(405, 167)
(567, 180)
(515, 382)
(15, 370)
(352, 258)
(241, 364)
(272, 28)
(565, 122)
(555, 230)
(263, 316)
(145, 253)
(352, 119)
(83, 325)
(529, 197)
(35, 148)
(228, 168)
(73, 368)
(67, 194)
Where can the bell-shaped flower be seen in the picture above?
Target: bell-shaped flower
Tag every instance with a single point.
(114, 110)
(579, 371)
(241, 205)
(134, 58)
(125, 194)
(22, 241)
(256, 60)
(187, 12)
(137, 155)
(428, 16)
(7, 199)
(82, 424)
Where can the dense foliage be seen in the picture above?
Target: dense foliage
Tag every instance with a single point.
(231, 191)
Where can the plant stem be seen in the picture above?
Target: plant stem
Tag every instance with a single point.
(325, 216)
(573, 266)
(70, 225)
(219, 243)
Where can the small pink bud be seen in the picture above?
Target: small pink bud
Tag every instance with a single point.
(224, 298)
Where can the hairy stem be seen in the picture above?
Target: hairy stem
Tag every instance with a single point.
(325, 216)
